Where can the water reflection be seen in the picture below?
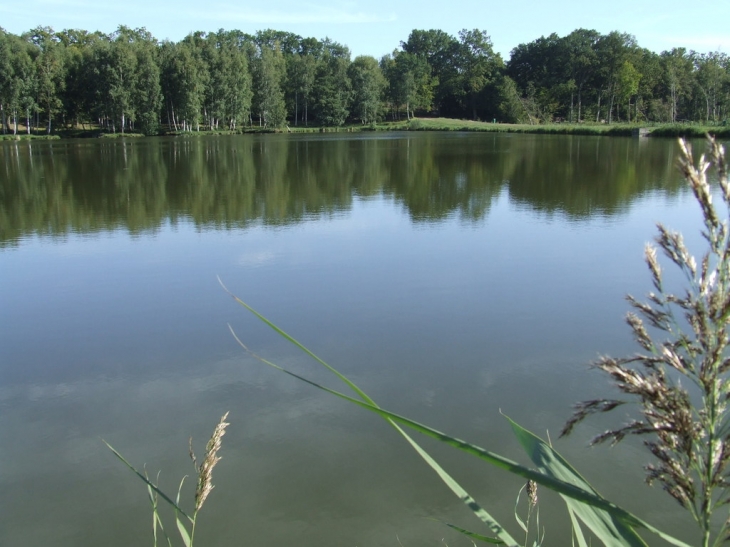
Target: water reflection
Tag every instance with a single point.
(431, 277)
(226, 182)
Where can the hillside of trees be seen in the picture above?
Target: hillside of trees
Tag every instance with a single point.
(128, 81)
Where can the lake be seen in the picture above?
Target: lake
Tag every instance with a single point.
(451, 275)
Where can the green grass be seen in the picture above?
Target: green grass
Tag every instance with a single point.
(446, 124)
(686, 130)
(119, 135)
(26, 137)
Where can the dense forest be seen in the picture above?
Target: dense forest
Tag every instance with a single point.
(128, 81)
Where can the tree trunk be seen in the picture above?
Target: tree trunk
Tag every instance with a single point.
(610, 108)
(571, 107)
(579, 103)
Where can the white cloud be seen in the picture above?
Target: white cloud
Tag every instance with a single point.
(256, 259)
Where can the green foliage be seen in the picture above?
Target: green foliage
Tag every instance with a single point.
(628, 84)
(332, 86)
(368, 84)
(478, 67)
(147, 95)
(128, 81)
(229, 92)
(511, 107)
(410, 83)
(712, 81)
(18, 81)
(677, 69)
(302, 72)
(269, 71)
(49, 71)
(184, 79)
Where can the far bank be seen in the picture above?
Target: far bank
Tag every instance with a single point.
(687, 130)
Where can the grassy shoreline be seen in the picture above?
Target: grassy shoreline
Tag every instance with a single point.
(426, 124)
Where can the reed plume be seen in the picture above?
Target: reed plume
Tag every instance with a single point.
(680, 381)
(532, 493)
(205, 469)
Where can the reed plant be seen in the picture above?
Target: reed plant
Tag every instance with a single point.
(185, 523)
(448, 124)
(587, 509)
(688, 131)
(679, 381)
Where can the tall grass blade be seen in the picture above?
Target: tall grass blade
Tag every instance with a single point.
(180, 526)
(611, 530)
(547, 459)
(183, 531)
(156, 520)
(153, 501)
(298, 344)
(540, 538)
(473, 535)
(453, 485)
(577, 530)
(549, 481)
(148, 482)
(463, 495)
(519, 520)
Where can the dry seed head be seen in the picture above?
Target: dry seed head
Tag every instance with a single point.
(683, 433)
(651, 260)
(532, 493)
(697, 178)
(205, 471)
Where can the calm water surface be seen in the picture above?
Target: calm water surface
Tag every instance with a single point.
(450, 275)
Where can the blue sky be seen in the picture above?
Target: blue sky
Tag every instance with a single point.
(376, 27)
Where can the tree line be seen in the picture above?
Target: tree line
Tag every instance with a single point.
(227, 80)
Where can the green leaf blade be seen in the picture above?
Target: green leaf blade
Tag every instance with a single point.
(147, 481)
